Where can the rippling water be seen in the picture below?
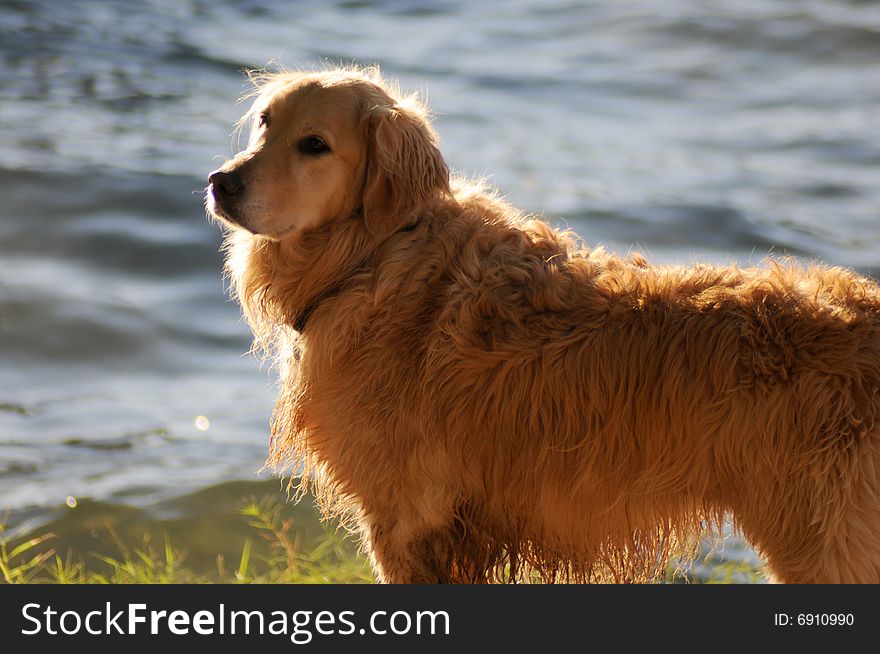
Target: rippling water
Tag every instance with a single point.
(690, 129)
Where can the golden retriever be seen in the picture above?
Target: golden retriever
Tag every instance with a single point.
(483, 398)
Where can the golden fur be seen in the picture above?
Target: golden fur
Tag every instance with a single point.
(483, 398)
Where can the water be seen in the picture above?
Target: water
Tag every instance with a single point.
(689, 129)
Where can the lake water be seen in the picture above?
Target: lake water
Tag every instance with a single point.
(689, 129)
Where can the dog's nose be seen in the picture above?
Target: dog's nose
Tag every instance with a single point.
(226, 182)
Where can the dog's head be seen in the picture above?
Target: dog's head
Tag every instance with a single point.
(326, 146)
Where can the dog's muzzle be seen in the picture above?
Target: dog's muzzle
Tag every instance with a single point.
(226, 189)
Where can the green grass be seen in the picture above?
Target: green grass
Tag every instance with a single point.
(713, 567)
(237, 532)
(95, 543)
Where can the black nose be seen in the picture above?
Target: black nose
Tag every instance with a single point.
(226, 182)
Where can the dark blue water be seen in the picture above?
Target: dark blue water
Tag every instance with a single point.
(689, 129)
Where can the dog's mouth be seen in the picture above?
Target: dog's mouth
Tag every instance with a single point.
(218, 206)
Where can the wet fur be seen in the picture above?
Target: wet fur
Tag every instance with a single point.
(487, 399)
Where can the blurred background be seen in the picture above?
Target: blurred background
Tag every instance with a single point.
(687, 129)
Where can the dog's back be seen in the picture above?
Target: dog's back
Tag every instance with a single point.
(619, 406)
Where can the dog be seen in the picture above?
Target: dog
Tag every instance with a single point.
(483, 398)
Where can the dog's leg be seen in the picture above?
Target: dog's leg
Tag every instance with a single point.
(421, 558)
(407, 553)
(837, 544)
(845, 564)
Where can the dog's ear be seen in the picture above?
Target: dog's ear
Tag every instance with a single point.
(404, 167)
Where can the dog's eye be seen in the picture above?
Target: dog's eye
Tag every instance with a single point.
(263, 120)
(312, 145)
